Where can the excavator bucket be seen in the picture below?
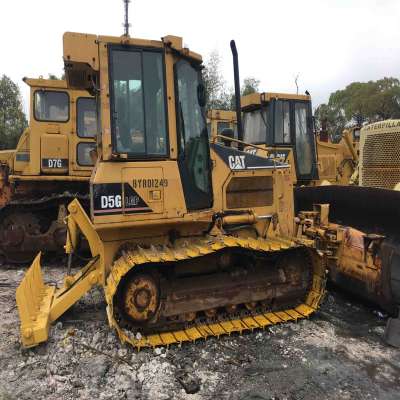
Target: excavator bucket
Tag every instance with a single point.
(34, 300)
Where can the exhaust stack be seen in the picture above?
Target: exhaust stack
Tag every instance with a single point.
(237, 92)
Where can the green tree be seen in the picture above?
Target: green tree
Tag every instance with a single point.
(55, 77)
(330, 119)
(12, 118)
(360, 101)
(218, 95)
(250, 85)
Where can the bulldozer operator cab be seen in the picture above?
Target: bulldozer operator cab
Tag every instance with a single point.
(153, 110)
(61, 132)
(283, 124)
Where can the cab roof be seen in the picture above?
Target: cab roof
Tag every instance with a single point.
(255, 100)
(46, 83)
(223, 115)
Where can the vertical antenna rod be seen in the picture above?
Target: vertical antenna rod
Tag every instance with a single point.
(126, 23)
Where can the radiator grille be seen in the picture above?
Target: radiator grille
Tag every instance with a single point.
(247, 192)
(381, 160)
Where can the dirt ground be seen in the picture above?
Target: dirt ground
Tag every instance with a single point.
(337, 354)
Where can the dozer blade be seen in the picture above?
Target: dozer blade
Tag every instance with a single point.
(369, 263)
(372, 210)
(39, 304)
(34, 300)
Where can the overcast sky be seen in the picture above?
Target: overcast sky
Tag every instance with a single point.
(328, 43)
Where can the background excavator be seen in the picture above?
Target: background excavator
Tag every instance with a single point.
(188, 239)
(50, 166)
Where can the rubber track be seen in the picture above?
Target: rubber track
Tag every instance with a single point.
(197, 248)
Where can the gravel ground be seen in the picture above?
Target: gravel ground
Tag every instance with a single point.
(337, 354)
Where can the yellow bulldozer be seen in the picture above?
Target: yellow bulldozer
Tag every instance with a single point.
(335, 161)
(362, 240)
(188, 239)
(372, 210)
(50, 166)
(281, 124)
(219, 121)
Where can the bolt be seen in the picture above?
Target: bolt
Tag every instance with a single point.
(27, 333)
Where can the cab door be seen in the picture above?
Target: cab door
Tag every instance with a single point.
(51, 123)
(82, 143)
(194, 153)
(304, 141)
(292, 129)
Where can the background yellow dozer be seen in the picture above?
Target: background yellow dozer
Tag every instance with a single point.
(50, 166)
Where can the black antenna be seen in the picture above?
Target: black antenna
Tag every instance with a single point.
(126, 23)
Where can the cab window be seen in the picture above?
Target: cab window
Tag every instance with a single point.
(222, 125)
(86, 154)
(282, 122)
(255, 126)
(51, 106)
(86, 117)
(304, 140)
(138, 102)
(194, 157)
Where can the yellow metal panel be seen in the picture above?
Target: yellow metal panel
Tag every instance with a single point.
(313, 299)
(294, 314)
(262, 321)
(193, 334)
(304, 310)
(154, 340)
(168, 338)
(273, 318)
(251, 322)
(238, 325)
(284, 316)
(34, 300)
(205, 331)
(217, 329)
(228, 326)
(181, 336)
(66, 296)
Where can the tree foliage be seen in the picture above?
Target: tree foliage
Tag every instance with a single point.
(360, 102)
(219, 95)
(250, 85)
(55, 77)
(12, 118)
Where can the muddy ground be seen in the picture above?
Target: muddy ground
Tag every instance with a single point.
(337, 354)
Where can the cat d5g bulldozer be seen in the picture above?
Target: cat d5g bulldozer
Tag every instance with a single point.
(188, 239)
